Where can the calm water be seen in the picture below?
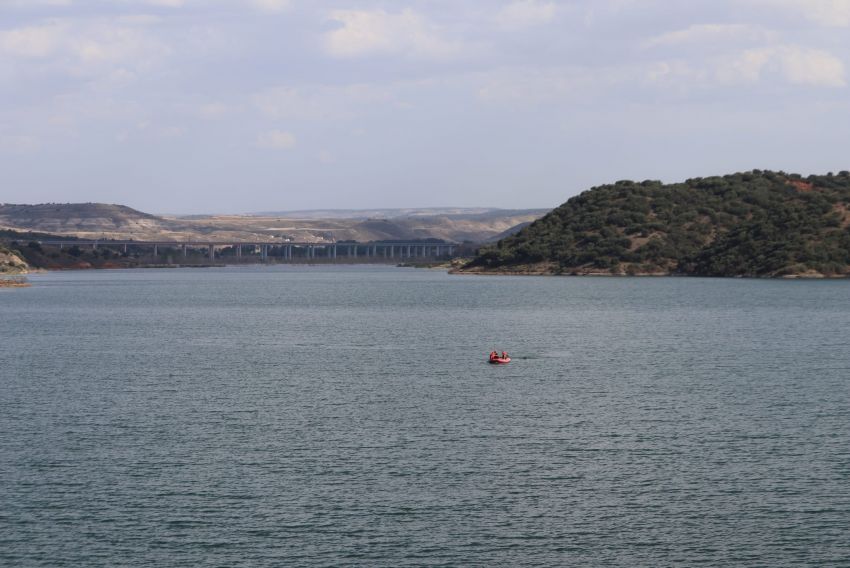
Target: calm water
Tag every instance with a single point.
(346, 416)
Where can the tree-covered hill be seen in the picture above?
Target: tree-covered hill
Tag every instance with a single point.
(757, 223)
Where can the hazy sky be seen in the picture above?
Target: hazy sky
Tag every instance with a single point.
(246, 105)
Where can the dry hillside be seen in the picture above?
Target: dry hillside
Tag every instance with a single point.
(102, 221)
(11, 263)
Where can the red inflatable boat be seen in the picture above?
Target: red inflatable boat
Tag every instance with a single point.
(499, 360)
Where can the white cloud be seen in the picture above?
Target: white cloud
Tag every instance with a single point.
(276, 139)
(525, 14)
(170, 131)
(674, 73)
(270, 5)
(32, 41)
(18, 143)
(31, 3)
(744, 67)
(81, 47)
(364, 33)
(213, 110)
(321, 102)
(812, 67)
(262, 5)
(529, 87)
(138, 20)
(718, 34)
(166, 3)
(830, 13)
(795, 64)
(112, 44)
(568, 85)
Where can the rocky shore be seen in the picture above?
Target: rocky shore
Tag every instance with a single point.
(13, 282)
(11, 263)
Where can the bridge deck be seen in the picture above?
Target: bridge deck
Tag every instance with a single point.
(280, 250)
(89, 242)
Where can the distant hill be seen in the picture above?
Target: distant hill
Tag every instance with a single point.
(757, 223)
(510, 232)
(102, 221)
(79, 218)
(364, 214)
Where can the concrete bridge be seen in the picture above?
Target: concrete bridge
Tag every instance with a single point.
(285, 251)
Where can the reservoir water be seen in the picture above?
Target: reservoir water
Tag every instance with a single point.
(309, 416)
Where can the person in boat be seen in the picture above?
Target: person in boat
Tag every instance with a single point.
(504, 355)
(494, 355)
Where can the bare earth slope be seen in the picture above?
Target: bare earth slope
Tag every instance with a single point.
(11, 263)
(103, 221)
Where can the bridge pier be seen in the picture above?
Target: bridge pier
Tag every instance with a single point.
(386, 250)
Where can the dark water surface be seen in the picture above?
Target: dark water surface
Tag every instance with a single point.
(346, 416)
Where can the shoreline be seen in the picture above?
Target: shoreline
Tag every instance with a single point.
(647, 276)
(14, 280)
(442, 266)
(548, 271)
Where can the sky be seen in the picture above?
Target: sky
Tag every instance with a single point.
(229, 106)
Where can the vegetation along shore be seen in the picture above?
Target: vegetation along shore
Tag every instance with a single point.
(752, 224)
